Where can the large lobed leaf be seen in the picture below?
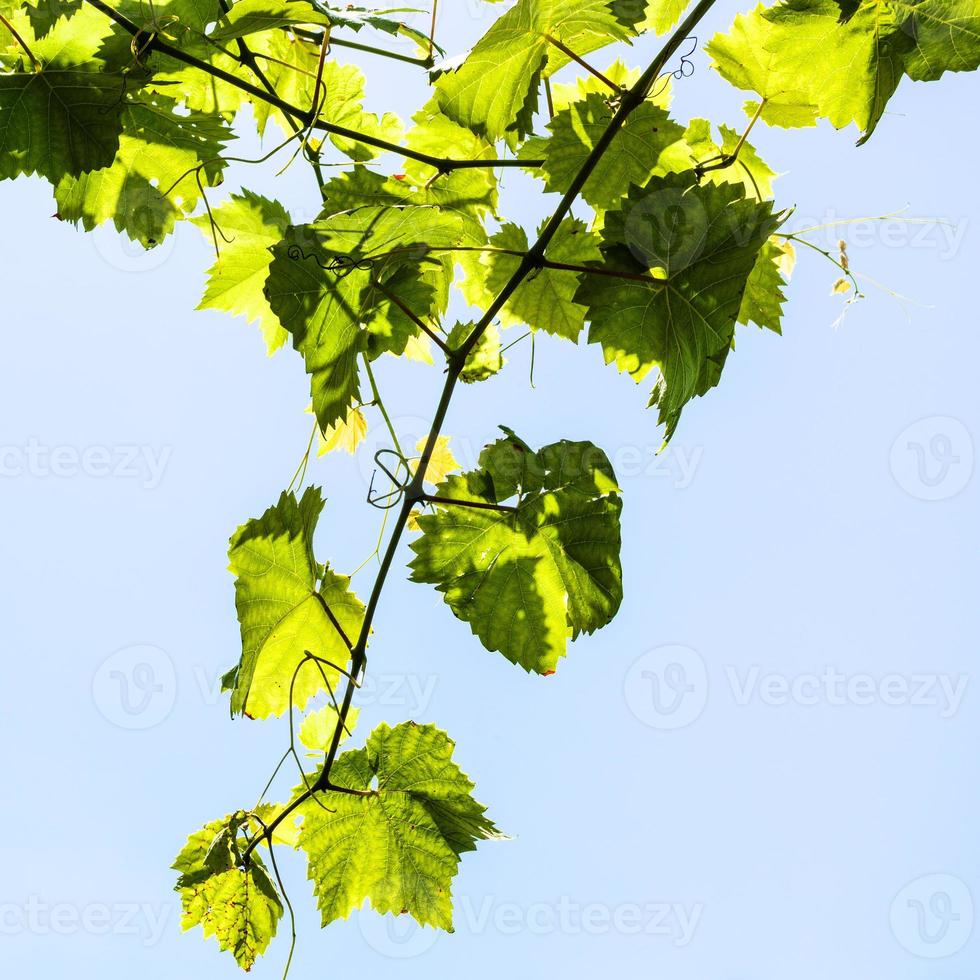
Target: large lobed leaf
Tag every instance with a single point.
(398, 845)
(844, 59)
(530, 578)
(690, 249)
(153, 180)
(495, 90)
(288, 606)
(324, 286)
(59, 121)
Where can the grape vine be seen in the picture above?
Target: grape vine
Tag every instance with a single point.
(128, 107)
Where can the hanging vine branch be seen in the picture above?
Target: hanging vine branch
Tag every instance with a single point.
(683, 245)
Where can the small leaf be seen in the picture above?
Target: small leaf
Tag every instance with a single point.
(240, 907)
(318, 728)
(484, 360)
(762, 302)
(441, 463)
(59, 122)
(346, 434)
(236, 281)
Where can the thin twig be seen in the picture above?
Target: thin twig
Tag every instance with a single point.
(475, 504)
(432, 29)
(316, 38)
(380, 405)
(581, 61)
(417, 320)
(30, 54)
(727, 159)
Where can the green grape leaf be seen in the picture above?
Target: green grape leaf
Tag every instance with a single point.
(318, 728)
(399, 844)
(288, 606)
(582, 86)
(747, 169)
(528, 578)
(698, 245)
(494, 91)
(45, 14)
(743, 58)
(649, 143)
(471, 189)
(650, 15)
(360, 187)
(60, 35)
(236, 281)
(251, 16)
(323, 287)
(485, 360)
(762, 303)
(59, 121)
(183, 24)
(153, 180)
(356, 18)
(845, 59)
(292, 71)
(546, 299)
(341, 106)
(240, 907)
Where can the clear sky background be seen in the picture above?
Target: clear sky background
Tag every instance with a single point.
(764, 768)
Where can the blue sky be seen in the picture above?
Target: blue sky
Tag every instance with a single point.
(761, 768)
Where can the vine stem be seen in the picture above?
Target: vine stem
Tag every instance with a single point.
(366, 48)
(379, 403)
(579, 60)
(16, 36)
(432, 29)
(417, 320)
(441, 164)
(414, 491)
(827, 255)
(727, 159)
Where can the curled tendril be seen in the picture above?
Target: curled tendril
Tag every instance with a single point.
(341, 265)
(684, 70)
(399, 483)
